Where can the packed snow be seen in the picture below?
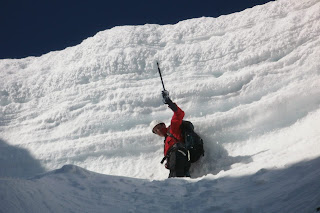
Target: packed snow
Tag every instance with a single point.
(74, 124)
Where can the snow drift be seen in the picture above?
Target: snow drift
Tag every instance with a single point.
(248, 81)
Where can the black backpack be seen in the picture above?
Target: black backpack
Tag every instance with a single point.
(192, 141)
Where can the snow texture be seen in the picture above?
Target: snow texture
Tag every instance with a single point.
(74, 124)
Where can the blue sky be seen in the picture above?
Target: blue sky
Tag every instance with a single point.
(34, 27)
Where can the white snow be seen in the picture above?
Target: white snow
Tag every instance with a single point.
(74, 124)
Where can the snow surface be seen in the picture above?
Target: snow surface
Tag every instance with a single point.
(74, 124)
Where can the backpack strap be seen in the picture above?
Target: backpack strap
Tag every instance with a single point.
(179, 147)
(188, 153)
(175, 146)
(171, 135)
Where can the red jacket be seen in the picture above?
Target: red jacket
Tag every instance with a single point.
(174, 129)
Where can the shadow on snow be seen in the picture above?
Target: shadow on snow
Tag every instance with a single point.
(17, 162)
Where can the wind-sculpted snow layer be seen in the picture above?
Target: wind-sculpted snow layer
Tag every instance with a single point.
(248, 81)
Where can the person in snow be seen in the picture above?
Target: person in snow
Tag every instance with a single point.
(175, 153)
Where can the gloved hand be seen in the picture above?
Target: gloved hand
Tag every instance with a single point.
(165, 95)
(166, 100)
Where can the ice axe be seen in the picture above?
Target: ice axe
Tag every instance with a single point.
(161, 77)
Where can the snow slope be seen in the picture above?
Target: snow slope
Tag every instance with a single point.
(248, 81)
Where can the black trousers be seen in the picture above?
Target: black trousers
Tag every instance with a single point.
(178, 163)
